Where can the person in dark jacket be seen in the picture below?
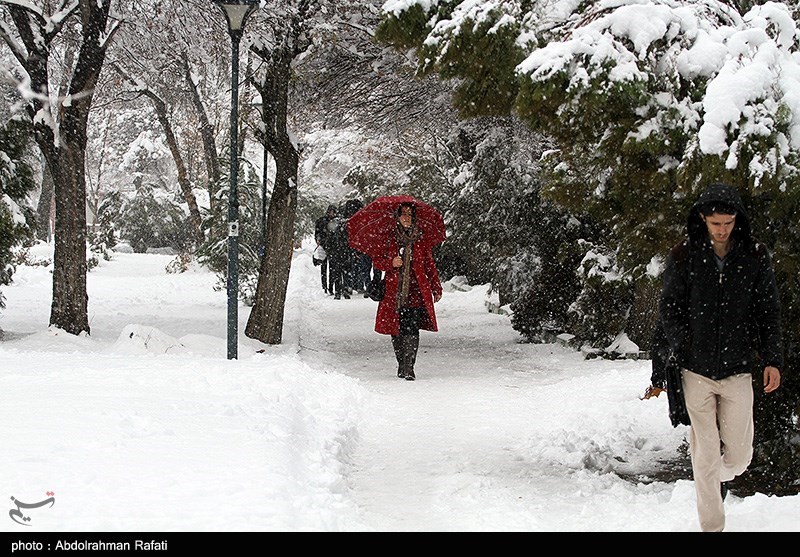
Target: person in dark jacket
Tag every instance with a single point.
(353, 269)
(338, 256)
(321, 236)
(721, 315)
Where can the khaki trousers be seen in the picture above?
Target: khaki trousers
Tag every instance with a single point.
(721, 438)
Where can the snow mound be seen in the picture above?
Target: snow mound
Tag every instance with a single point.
(457, 283)
(623, 345)
(141, 339)
(123, 247)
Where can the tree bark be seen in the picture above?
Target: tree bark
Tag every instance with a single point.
(266, 318)
(183, 181)
(45, 207)
(69, 309)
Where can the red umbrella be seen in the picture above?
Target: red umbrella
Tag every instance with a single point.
(369, 228)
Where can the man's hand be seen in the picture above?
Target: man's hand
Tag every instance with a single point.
(772, 379)
(437, 297)
(652, 392)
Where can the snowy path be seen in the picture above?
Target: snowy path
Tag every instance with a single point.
(464, 443)
(318, 433)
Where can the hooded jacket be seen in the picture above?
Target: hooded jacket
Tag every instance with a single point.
(721, 322)
(321, 234)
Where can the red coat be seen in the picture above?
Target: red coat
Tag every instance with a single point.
(387, 321)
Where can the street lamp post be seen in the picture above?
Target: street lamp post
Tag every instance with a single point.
(236, 14)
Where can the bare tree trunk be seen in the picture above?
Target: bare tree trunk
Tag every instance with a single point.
(266, 318)
(69, 309)
(65, 157)
(206, 133)
(45, 205)
(183, 181)
(160, 108)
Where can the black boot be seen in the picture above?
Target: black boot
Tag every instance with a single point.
(398, 354)
(410, 346)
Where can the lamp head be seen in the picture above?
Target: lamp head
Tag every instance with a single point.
(236, 12)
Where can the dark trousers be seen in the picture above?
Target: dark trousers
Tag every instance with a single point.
(338, 264)
(323, 269)
(360, 267)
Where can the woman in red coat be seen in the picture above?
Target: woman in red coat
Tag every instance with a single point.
(412, 287)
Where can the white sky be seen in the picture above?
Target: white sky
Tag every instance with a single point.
(146, 426)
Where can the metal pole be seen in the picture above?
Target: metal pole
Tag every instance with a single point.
(233, 207)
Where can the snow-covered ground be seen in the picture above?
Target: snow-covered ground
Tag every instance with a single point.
(146, 426)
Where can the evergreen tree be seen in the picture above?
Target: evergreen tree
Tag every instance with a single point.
(646, 104)
(604, 301)
(634, 140)
(214, 251)
(365, 182)
(106, 232)
(151, 218)
(503, 232)
(482, 49)
(16, 183)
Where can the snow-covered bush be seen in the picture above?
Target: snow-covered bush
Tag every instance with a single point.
(103, 238)
(150, 217)
(600, 312)
(16, 181)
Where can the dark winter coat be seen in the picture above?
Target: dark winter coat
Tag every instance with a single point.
(387, 320)
(721, 323)
(321, 233)
(337, 246)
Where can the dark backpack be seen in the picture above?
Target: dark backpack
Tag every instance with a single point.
(337, 235)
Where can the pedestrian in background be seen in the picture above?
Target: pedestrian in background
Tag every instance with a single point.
(338, 257)
(321, 238)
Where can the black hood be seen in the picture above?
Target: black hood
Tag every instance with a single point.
(351, 207)
(698, 233)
